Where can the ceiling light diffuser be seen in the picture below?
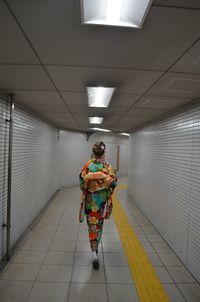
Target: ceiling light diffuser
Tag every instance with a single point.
(128, 13)
(124, 133)
(99, 96)
(95, 120)
(100, 129)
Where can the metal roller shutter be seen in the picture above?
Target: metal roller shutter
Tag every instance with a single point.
(33, 169)
(4, 139)
(164, 180)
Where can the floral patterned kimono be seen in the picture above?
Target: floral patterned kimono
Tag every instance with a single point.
(97, 181)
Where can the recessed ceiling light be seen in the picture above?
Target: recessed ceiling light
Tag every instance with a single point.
(100, 129)
(95, 120)
(129, 13)
(124, 133)
(99, 96)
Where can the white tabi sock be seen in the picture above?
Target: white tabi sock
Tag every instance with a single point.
(94, 255)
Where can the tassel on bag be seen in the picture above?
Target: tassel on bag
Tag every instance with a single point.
(107, 209)
(82, 212)
(82, 207)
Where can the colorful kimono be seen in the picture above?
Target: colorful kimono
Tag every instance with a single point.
(97, 181)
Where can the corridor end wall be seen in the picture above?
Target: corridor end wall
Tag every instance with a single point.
(113, 143)
(74, 149)
(164, 180)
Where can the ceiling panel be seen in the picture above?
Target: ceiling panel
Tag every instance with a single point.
(75, 98)
(97, 111)
(123, 124)
(177, 85)
(86, 124)
(60, 38)
(68, 125)
(179, 3)
(190, 62)
(142, 112)
(109, 118)
(24, 77)
(76, 55)
(107, 123)
(63, 120)
(119, 129)
(66, 121)
(82, 109)
(111, 110)
(57, 115)
(14, 46)
(106, 126)
(118, 100)
(126, 81)
(55, 108)
(128, 118)
(134, 119)
(124, 100)
(81, 116)
(37, 97)
(157, 102)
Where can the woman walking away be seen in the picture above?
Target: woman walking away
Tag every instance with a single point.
(97, 182)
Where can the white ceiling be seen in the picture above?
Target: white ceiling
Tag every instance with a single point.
(47, 57)
(179, 3)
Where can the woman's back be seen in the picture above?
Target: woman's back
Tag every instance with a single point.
(97, 175)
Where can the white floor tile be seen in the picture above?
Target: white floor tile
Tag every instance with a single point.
(23, 272)
(14, 291)
(49, 292)
(86, 274)
(55, 273)
(122, 292)
(84, 292)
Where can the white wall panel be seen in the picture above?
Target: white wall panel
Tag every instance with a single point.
(112, 141)
(72, 154)
(164, 180)
(123, 160)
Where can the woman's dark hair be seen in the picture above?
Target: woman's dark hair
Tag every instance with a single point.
(99, 149)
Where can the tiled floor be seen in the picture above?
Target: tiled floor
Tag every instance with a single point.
(54, 263)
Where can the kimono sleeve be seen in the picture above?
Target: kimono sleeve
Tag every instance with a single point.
(84, 171)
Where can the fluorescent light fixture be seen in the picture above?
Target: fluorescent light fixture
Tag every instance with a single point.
(99, 96)
(124, 133)
(100, 129)
(96, 120)
(128, 13)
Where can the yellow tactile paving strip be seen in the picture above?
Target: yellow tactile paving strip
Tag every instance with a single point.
(147, 283)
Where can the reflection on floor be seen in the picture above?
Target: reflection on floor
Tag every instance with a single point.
(55, 262)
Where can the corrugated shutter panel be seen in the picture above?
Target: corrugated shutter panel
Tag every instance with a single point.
(33, 169)
(193, 255)
(164, 180)
(4, 140)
